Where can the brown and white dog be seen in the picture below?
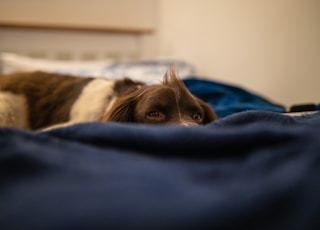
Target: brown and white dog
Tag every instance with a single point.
(39, 100)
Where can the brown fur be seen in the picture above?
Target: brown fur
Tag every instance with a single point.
(157, 104)
(49, 96)
(48, 99)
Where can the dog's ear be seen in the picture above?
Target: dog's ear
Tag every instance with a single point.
(209, 114)
(122, 110)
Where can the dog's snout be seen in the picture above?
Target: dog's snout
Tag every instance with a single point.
(188, 123)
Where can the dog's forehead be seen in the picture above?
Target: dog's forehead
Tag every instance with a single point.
(170, 94)
(163, 90)
(159, 91)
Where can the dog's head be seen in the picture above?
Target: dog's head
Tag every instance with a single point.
(166, 103)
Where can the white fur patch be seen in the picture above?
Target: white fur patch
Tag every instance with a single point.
(13, 110)
(93, 101)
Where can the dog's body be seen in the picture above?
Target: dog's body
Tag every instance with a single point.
(39, 100)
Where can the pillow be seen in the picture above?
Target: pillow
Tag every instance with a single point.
(149, 70)
(11, 62)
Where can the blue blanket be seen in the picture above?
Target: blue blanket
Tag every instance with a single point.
(249, 170)
(228, 99)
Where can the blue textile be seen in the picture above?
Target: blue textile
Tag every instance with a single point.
(249, 170)
(227, 99)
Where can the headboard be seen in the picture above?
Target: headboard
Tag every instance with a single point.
(62, 42)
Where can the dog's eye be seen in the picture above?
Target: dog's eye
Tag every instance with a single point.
(197, 117)
(153, 114)
(156, 115)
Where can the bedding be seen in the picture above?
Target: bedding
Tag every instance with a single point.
(254, 168)
(249, 170)
(227, 99)
(149, 71)
(12, 62)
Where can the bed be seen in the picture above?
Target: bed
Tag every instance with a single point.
(255, 168)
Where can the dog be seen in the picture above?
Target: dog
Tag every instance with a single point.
(41, 101)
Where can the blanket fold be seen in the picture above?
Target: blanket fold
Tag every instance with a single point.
(250, 170)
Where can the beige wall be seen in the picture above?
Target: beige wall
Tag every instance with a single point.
(269, 46)
(126, 13)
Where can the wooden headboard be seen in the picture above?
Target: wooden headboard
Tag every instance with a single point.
(82, 30)
(70, 42)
